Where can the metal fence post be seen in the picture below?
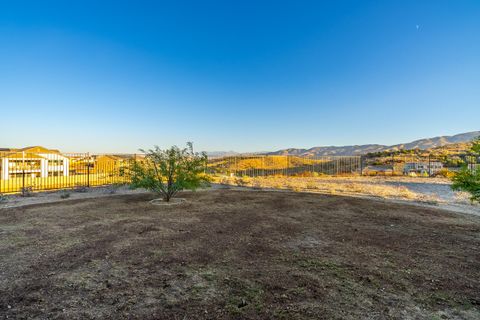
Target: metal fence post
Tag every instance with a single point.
(393, 164)
(361, 165)
(133, 165)
(288, 166)
(429, 166)
(88, 170)
(263, 164)
(23, 180)
(23, 171)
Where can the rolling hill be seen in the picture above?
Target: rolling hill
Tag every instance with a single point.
(421, 144)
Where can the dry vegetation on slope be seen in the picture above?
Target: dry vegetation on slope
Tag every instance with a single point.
(260, 162)
(362, 186)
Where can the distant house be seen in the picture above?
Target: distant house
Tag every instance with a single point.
(32, 161)
(108, 162)
(474, 167)
(431, 167)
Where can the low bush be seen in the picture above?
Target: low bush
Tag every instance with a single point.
(166, 172)
(81, 188)
(468, 179)
(64, 194)
(257, 184)
(27, 191)
(244, 181)
(113, 188)
(311, 185)
(445, 173)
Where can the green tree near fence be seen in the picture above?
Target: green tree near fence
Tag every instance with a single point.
(166, 172)
(468, 178)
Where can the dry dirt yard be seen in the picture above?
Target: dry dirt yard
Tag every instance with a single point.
(228, 254)
(435, 192)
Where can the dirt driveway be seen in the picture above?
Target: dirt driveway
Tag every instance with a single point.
(238, 254)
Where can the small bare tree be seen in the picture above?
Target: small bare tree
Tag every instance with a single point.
(167, 172)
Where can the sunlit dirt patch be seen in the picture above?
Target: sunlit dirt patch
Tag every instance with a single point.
(227, 254)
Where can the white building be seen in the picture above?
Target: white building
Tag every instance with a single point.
(32, 161)
(431, 167)
(474, 167)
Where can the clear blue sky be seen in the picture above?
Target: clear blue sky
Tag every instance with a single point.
(115, 76)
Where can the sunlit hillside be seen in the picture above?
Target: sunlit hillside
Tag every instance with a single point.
(270, 162)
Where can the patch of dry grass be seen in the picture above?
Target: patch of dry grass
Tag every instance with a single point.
(260, 163)
(329, 185)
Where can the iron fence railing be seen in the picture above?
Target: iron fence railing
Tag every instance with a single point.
(255, 166)
(26, 171)
(413, 165)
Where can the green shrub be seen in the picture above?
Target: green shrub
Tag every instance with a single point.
(167, 172)
(113, 188)
(81, 188)
(27, 191)
(468, 178)
(64, 194)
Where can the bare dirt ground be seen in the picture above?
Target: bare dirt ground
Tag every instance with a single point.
(17, 200)
(227, 254)
(427, 192)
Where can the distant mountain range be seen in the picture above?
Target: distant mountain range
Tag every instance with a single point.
(220, 154)
(217, 154)
(421, 144)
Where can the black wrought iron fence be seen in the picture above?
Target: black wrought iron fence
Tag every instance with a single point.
(394, 165)
(28, 172)
(256, 166)
(46, 170)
